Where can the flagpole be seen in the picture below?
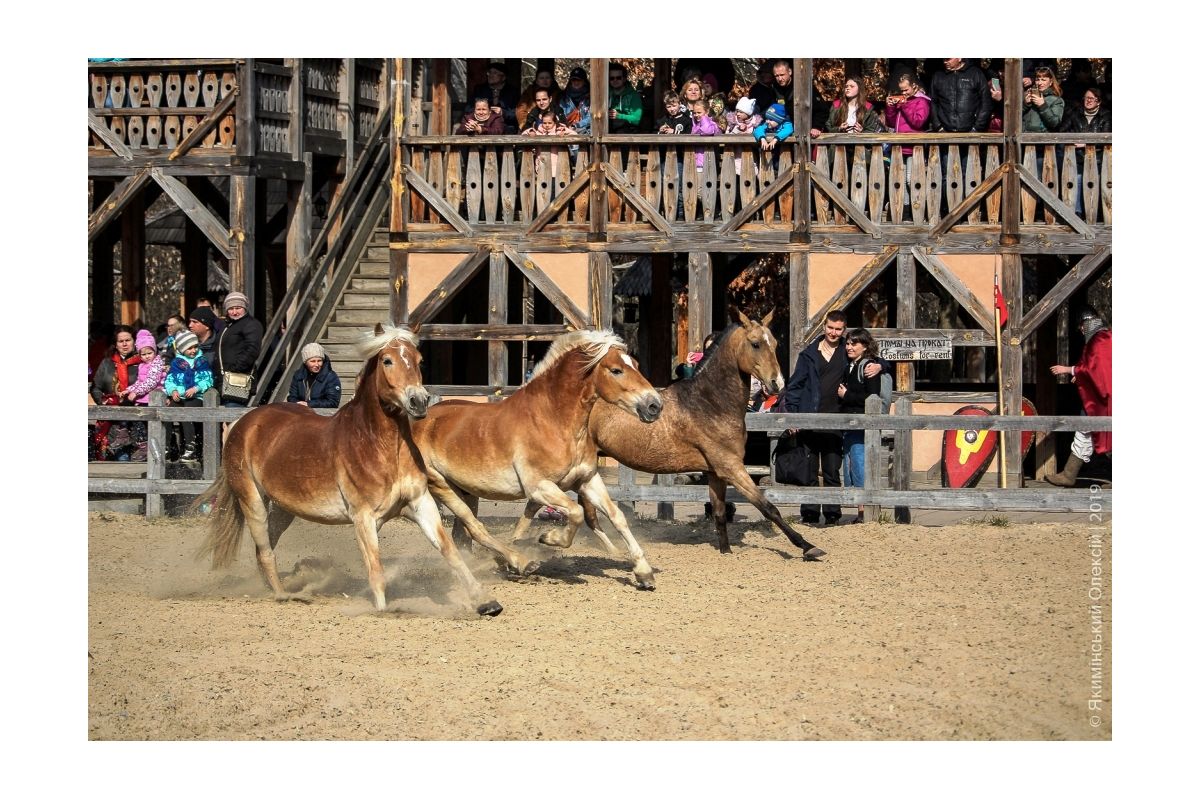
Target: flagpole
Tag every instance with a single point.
(1000, 386)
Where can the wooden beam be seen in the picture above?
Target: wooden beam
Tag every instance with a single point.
(1056, 205)
(246, 116)
(243, 200)
(851, 290)
(797, 307)
(700, 292)
(299, 234)
(553, 293)
(634, 199)
(108, 137)
(801, 178)
(1009, 348)
(1062, 291)
(957, 213)
(401, 207)
(115, 203)
(448, 287)
(1010, 204)
(212, 227)
(843, 202)
(756, 205)
(600, 289)
(435, 199)
(497, 315)
(551, 212)
(206, 124)
(133, 260)
(958, 290)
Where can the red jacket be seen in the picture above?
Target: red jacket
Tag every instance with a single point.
(1093, 379)
(493, 126)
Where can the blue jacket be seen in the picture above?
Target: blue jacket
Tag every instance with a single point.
(325, 390)
(784, 130)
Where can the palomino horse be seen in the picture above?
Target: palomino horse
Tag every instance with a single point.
(358, 466)
(535, 443)
(703, 425)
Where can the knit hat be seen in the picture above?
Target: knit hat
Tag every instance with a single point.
(185, 340)
(311, 350)
(579, 72)
(746, 106)
(145, 339)
(777, 113)
(235, 300)
(205, 316)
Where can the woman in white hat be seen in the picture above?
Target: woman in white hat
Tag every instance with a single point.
(315, 384)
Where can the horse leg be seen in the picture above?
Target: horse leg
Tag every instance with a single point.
(716, 496)
(366, 529)
(594, 490)
(278, 520)
(593, 522)
(426, 515)
(547, 493)
(532, 507)
(459, 533)
(464, 511)
(254, 509)
(745, 484)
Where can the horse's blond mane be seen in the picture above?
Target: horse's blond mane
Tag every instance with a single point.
(372, 343)
(594, 343)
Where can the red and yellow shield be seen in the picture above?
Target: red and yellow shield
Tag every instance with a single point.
(967, 453)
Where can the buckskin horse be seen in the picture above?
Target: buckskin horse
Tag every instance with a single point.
(535, 443)
(284, 460)
(703, 426)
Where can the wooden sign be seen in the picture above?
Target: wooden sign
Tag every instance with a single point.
(967, 453)
(933, 348)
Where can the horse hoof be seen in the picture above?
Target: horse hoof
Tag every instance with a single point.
(726, 549)
(550, 541)
(295, 598)
(531, 567)
(644, 582)
(813, 553)
(489, 609)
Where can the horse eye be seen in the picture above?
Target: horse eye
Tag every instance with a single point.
(387, 362)
(755, 345)
(617, 371)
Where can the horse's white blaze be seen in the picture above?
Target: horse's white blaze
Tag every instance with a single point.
(628, 361)
(404, 358)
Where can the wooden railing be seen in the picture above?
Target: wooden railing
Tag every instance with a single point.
(150, 105)
(880, 490)
(725, 182)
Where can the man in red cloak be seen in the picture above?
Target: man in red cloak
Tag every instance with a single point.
(1092, 376)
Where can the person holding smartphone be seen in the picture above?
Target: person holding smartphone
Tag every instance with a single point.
(1043, 103)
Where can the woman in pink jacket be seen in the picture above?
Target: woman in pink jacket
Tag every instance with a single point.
(908, 112)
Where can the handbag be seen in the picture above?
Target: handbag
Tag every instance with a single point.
(791, 462)
(236, 386)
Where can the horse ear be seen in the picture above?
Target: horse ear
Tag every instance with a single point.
(742, 318)
(766, 321)
(379, 329)
(414, 328)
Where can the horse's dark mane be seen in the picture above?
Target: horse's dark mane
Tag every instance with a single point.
(716, 378)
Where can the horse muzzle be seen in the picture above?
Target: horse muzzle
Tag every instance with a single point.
(416, 402)
(648, 408)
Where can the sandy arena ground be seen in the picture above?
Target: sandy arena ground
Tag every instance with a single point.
(970, 631)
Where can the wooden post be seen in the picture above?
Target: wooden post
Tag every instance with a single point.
(299, 232)
(1012, 286)
(439, 123)
(1002, 475)
(626, 477)
(666, 511)
(401, 198)
(1010, 206)
(156, 455)
(133, 260)
(872, 448)
(247, 108)
(497, 315)
(211, 456)
(797, 307)
(906, 318)
(295, 132)
(194, 256)
(699, 299)
(801, 179)
(598, 196)
(662, 82)
(348, 112)
(102, 275)
(242, 201)
(1046, 388)
(600, 289)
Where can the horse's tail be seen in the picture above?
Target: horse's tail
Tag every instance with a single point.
(225, 522)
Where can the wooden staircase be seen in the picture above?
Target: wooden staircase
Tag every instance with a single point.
(364, 302)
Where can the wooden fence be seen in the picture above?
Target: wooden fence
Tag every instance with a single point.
(879, 490)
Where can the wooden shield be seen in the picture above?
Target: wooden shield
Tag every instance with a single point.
(967, 453)
(1027, 410)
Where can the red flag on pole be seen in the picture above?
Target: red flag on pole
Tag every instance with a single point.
(1000, 304)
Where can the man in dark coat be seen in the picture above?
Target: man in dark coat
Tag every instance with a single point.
(237, 347)
(501, 97)
(315, 384)
(812, 388)
(962, 99)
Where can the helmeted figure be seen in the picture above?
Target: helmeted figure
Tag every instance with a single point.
(1092, 376)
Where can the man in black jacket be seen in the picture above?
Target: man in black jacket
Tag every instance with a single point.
(238, 345)
(962, 100)
(812, 388)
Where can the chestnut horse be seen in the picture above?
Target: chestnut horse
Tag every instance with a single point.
(535, 443)
(284, 460)
(703, 425)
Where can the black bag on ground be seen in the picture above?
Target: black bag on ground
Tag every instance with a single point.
(791, 461)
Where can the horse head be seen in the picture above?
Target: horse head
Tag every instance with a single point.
(618, 381)
(755, 352)
(396, 373)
